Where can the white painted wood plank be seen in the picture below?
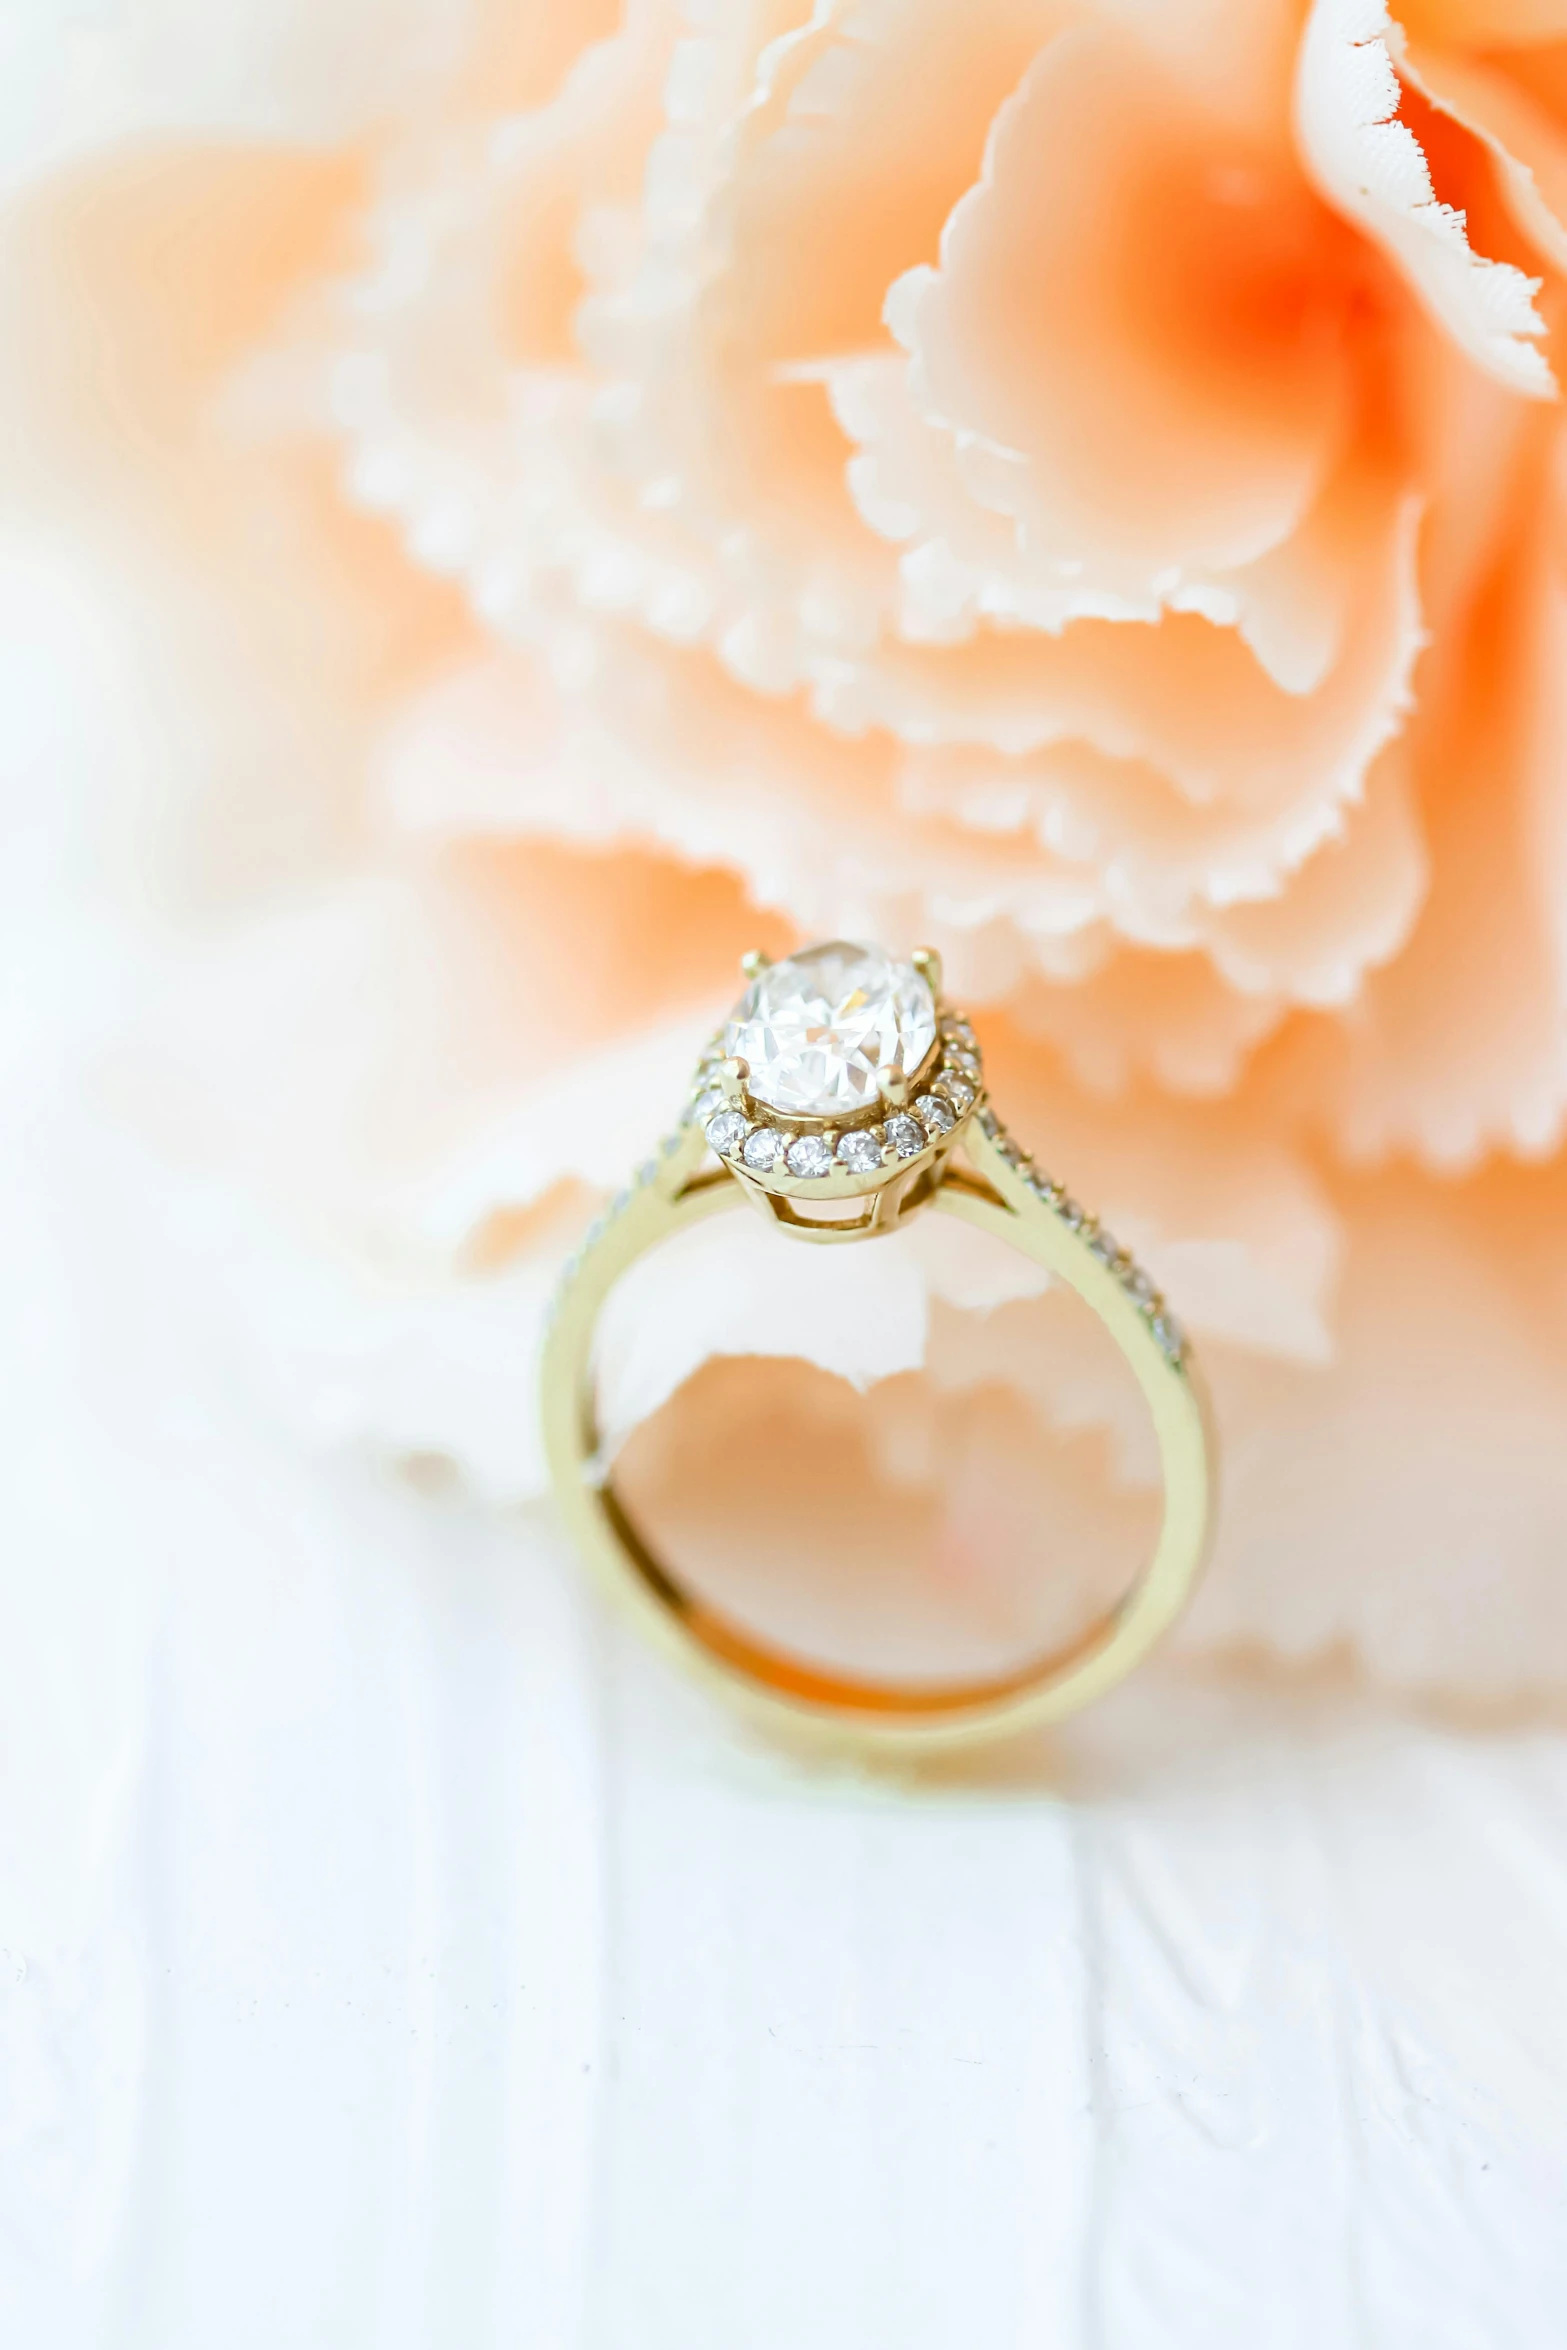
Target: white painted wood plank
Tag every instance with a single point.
(851, 2086)
(1332, 2089)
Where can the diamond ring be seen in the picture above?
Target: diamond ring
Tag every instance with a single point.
(844, 1095)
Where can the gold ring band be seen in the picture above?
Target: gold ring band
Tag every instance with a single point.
(996, 1187)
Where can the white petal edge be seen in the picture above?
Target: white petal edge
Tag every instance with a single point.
(1370, 166)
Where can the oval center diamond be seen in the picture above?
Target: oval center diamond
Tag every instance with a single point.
(818, 1028)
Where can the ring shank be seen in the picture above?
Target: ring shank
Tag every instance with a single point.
(793, 1689)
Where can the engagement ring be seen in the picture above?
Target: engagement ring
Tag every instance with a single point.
(842, 1097)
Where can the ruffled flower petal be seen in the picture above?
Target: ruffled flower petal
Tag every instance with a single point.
(1459, 1045)
(1371, 166)
(1109, 751)
(1170, 396)
(1526, 141)
(1405, 1505)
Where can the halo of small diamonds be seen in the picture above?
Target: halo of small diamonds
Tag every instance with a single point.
(782, 1151)
(810, 1156)
(763, 1147)
(779, 1154)
(861, 1151)
(727, 1131)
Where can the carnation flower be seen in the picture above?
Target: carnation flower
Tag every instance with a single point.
(526, 509)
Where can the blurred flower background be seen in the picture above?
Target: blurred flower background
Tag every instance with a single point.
(506, 508)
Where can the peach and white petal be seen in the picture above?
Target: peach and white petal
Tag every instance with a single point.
(1043, 1353)
(865, 124)
(1369, 1500)
(449, 364)
(1527, 142)
(514, 747)
(1192, 1020)
(695, 477)
(1144, 1013)
(1487, 24)
(1346, 911)
(1482, 454)
(1297, 604)
(339, 1046)
(234, 630)
(289, 72)
(499, 750)
(937, 1502)
(1164, 756)
(1226, 1213)
(716, 1291)
(1173, 392)
(1371, 166)
(1256, 40)
(965, 565)
(1459, 1046)
(582, 1125)
(1151, 693)
(866, 127)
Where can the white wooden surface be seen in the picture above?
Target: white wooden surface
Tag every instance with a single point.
(393, 1958)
